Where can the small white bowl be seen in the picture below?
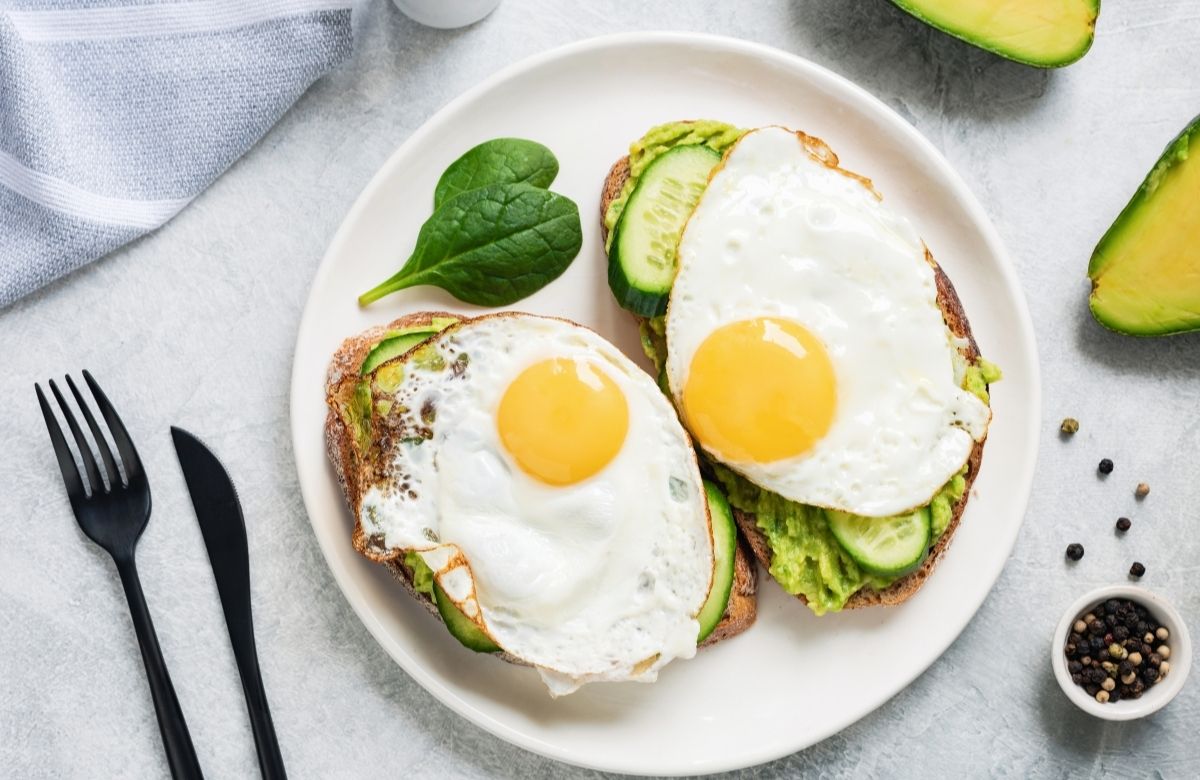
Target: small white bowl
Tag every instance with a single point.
(1156, 696)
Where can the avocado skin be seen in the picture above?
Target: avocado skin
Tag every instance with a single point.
(1127, 319)
(917, 9)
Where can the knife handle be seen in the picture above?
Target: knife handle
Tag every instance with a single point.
(270, 761)
(181, 756)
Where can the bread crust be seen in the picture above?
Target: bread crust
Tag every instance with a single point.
(956, 320)
(341, 447)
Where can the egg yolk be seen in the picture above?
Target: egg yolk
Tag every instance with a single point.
(563, 420)
(760, 390)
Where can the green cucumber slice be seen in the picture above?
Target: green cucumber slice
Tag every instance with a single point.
(724, 552)
(397, 342)
(641, 261)
(888, 546)
(461, 626)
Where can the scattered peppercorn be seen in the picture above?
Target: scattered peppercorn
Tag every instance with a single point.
(1108, 652)
(1075, 551)
(1069, 426)
(1123, 524)
(1142, 490)
(1137, 569)
(1106, 466)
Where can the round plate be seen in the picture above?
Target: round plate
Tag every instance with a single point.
(792, 679)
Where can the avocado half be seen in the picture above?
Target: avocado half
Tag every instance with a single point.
(1145, 271)
(1041, 33)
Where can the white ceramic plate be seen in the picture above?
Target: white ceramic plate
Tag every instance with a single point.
(793, 679)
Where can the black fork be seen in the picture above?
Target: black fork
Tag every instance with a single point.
(113, 512)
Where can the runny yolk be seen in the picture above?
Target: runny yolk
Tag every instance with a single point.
(760, 390)
(563, 420)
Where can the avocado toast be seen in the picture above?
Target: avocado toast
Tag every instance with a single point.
(797, 543)
(357, 428)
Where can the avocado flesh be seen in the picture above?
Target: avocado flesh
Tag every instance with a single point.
(1145, 271)
(1042, 33)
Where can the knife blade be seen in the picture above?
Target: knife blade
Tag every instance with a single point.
(223, 527)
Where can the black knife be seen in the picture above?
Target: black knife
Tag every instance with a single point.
(224, 531)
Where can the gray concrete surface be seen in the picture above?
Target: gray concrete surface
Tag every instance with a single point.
(195, 324)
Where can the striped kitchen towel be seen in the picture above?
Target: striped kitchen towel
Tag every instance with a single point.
(114, 114)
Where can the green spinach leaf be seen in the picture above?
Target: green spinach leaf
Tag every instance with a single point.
(492, 246)
(499, 161)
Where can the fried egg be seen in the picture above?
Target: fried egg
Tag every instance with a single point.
(805, 346)
(549, 484)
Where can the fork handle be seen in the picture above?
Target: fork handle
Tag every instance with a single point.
(181, 756)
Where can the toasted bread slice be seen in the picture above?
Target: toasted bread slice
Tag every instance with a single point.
(956, 320)
(351, 467)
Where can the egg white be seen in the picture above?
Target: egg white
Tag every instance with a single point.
(598, 580)
(782, 232)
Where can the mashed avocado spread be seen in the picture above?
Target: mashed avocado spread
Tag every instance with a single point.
(806, 557)
(422, 574)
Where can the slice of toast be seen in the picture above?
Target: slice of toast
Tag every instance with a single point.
(351, 466)
(956, 320)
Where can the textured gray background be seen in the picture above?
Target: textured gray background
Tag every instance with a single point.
(195, 324)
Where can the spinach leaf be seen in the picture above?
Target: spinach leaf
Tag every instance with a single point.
(499, 161)
(492, 246)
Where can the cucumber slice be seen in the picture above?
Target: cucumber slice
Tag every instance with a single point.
(397, 342)
(461, 626)
(641, 262)
(888, 546)
(393, 347)
(724, 550)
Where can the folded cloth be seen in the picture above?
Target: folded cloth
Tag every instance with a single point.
(114, 114)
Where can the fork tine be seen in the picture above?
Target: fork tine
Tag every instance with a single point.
(110, 465)
(129, 456)
(85, 450)
(66, 462)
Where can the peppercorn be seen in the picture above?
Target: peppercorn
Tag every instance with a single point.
(1142, 490)
(1077, 679)
(1102, 696)
(1137, 569)
(1108, 684)
(1126, 679)
(1075, 551)
(1096, 627)
(1135, 658)
(1146, 650)
(1111, 606)
(1150, 674)
(1092, 690)
(1096, 643)
(1069, 426)
(1164, 651)
(1115, 696)
(1162, 633)
(1110, 620)
(1079, 627)
(1163, 669)
(1074, 667)
(1123, 524)
(1106, 466)
(1120, 633)
(1086, 660)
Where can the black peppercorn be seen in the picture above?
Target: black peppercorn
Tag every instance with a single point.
(1150, 674)
(1092, 690)
(1077, 679)
(1124, 667)
(1074, 638)
(1120, 633)
(1106, 466)
(1075, 551)
(1104, 654)
(1123, 524)
(1137, 569)
(1075, 667)
(1095, 643)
